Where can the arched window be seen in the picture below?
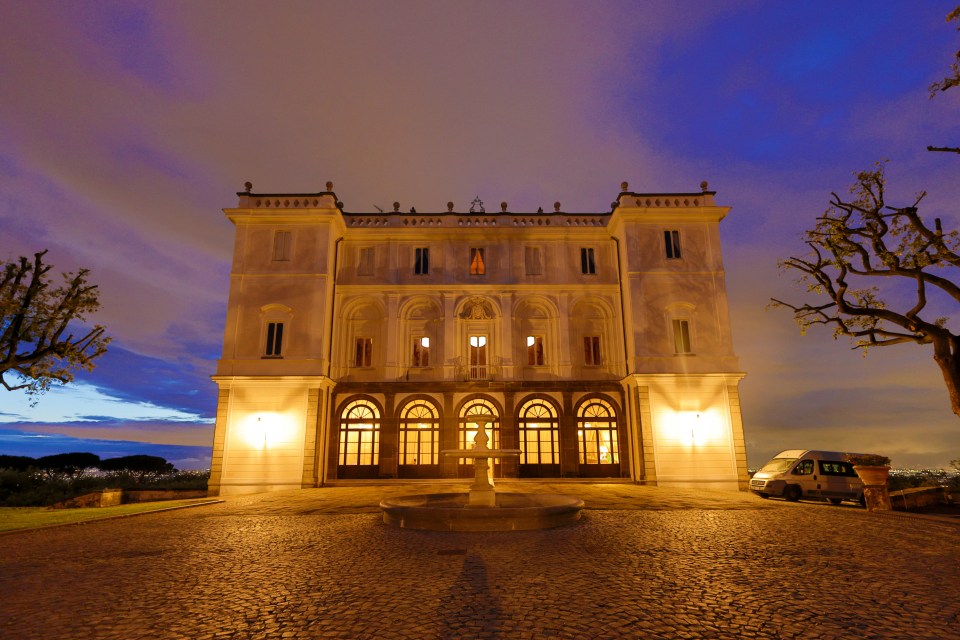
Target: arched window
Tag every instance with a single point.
(597, 433)
(468, 424)
(419, 433)
(359, 434)
(539, 433)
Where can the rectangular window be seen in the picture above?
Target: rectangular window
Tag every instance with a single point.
(363, 355)
(671, 240)
(281, 245)
(477, 266)
(681, 336)
(365, 265)
(478, 357)
(274, 344)
(535, 351)
(533, 261)
(421, 261)
(591, 351)
(421, 352)
(587, 264)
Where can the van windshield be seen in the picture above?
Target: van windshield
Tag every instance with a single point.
(778, 465)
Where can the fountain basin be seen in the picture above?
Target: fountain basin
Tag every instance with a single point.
(452, 512)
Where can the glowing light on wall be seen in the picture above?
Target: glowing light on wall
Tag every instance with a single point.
(694, 428)
(264, 430)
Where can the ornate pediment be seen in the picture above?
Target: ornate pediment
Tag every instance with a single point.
(477, 309)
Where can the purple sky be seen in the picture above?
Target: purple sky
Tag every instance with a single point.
(126, 127)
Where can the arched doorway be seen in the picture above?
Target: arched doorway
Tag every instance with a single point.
(539, 431)
(597, 439)
(467, 431)
(358, 454)
(419, 440)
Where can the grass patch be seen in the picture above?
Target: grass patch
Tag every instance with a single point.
(12, 518)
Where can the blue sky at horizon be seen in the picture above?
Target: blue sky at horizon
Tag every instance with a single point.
(134, 124)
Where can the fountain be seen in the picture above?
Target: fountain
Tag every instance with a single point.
(482, 508)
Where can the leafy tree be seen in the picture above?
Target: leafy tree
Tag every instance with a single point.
(35, 317)
(19, 463)
(861, 243)
(139, 465)
(950, 81)
(71, 465)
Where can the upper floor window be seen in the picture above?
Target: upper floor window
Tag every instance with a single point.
(281, 245)
(421, 261)
(421, 352)
(477, 265)
(365, 265)
(478, 357)
(274, 345)
(533, 260)
(591, 351)
(535, 351)
(671, 240)
(681, 336)
(363, 352)
(587, 264)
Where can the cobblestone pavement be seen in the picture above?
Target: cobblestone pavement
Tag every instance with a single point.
(643, 562)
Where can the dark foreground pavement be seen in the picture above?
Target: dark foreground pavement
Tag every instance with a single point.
(643, 563)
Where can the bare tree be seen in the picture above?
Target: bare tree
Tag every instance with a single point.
(35, 322)
(950, 81)
(862, 243)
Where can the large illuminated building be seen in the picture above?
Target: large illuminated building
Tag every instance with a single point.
(361, 345)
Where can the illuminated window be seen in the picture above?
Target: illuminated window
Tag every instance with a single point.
(363, 353)
(281, 245)
(671, 240)
(533, 260)
(534, 351)
(419, 433)
(477, 266)
(681, 336)
(478, 357)
(274, 344)
(587, 264)
(365, 265)
(421, 352)
(359, 434)
(597, 433)
(421, 261)
(591, 351)
(468, 424)
(539, 433)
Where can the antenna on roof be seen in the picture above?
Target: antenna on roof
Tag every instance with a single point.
(378, 208)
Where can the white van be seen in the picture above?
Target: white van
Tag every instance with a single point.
(796, 474)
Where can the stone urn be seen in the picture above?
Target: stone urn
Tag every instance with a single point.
(874, 471)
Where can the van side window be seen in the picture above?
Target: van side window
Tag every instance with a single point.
(804, 468)
(844, 469)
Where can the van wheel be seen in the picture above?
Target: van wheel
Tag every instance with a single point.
(835, 500)
(862, 500)
(764, 495)
(792, 493)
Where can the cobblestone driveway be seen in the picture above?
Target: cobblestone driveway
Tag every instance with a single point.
(643, 563)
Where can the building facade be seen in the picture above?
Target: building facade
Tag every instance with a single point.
(361, 345)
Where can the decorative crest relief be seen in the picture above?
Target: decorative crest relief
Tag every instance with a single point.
(477, 309)
(477, 206)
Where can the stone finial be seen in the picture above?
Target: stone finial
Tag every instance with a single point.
(614, 204)
(329, 186)
(556, 207)
(339, 205)
(539, 209)
(704, 186)
(248, 186)
(413, 209)
(503, 207)
(396, 207)
(624, 186)
(449, 207)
